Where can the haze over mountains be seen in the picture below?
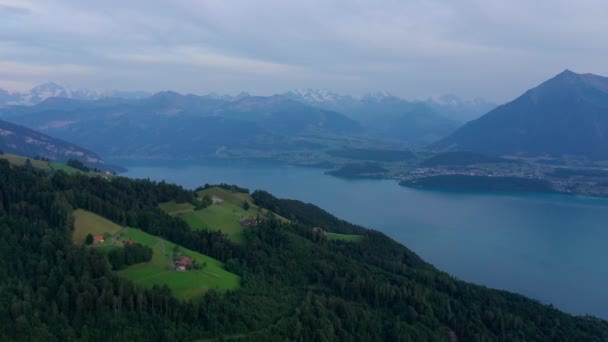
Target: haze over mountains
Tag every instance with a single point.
(51, 89)
(566, 115)
(170, 125)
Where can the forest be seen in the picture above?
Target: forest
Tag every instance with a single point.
(480, 183)
(294, 286)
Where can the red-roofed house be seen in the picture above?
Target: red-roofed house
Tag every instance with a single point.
(184, 263)
(98, 239)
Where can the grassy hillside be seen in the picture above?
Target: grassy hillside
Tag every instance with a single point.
(225, 216)
(160, 270)
(173, 208)
(46, 165)
(86, 222)
(295, 287)
(55, 166)
(20, 161)
(344, 237)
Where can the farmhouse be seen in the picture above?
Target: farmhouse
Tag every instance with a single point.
(216, 199)
(128, 242)
(98, 239)
(249, 222)
(184, 263)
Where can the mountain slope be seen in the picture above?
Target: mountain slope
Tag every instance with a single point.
(17, 139)
(455, 108)
(296, 284)
(173, 126)
(384, 116)
(566, 115)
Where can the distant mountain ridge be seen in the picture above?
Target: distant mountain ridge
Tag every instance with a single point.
(169, 125)
(47, 90)
(449, 106)
(386, 117)
(566, 115)
(23, 141)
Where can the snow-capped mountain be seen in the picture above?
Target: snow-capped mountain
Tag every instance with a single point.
(460, 109)
(380, 96)
(51, 89)
(317, 96)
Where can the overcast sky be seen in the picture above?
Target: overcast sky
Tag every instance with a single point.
(415, 49)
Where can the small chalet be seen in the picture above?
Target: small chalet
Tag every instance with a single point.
(318, 230)
(183, 264)
(129, 242)
(216, 199)
(249, 222)
(98, 239)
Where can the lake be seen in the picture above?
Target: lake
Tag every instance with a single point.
(545, 246)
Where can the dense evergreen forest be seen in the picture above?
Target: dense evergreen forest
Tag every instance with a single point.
(294, 287)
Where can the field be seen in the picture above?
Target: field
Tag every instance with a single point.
(173, 208)
(225, 216)
(20, 161)
(344, 237)
(44, 165)
(159, 270)
(67, 169)
(86, 222)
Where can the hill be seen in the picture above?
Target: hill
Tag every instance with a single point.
(480, 183)
(23, 141)
(227, 209)
(566, 115)
(364, 170)
(294, 286)
(160, 270)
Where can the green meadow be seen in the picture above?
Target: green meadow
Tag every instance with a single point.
(160, 270)
(344, 237)
(225, 216)
(20, 161)
(173, 208)
(65, 168)
(85, 222)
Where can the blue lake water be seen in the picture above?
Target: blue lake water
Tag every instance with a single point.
(549, 247)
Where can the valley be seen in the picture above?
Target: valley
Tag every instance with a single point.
(379, 171)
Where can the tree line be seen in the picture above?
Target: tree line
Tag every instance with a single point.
(293, 286)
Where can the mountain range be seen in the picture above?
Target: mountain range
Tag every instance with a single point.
(385, 116)
(20, 140)
(564, 116)
(173, 126)
(51, 89)
(388, 117)
(448, 106)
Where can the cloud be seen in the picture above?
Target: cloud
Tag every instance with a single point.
(414, 48)
(12, 72)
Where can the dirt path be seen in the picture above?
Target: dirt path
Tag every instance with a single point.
(164, 249)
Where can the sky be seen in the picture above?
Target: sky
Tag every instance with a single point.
(411, 48)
